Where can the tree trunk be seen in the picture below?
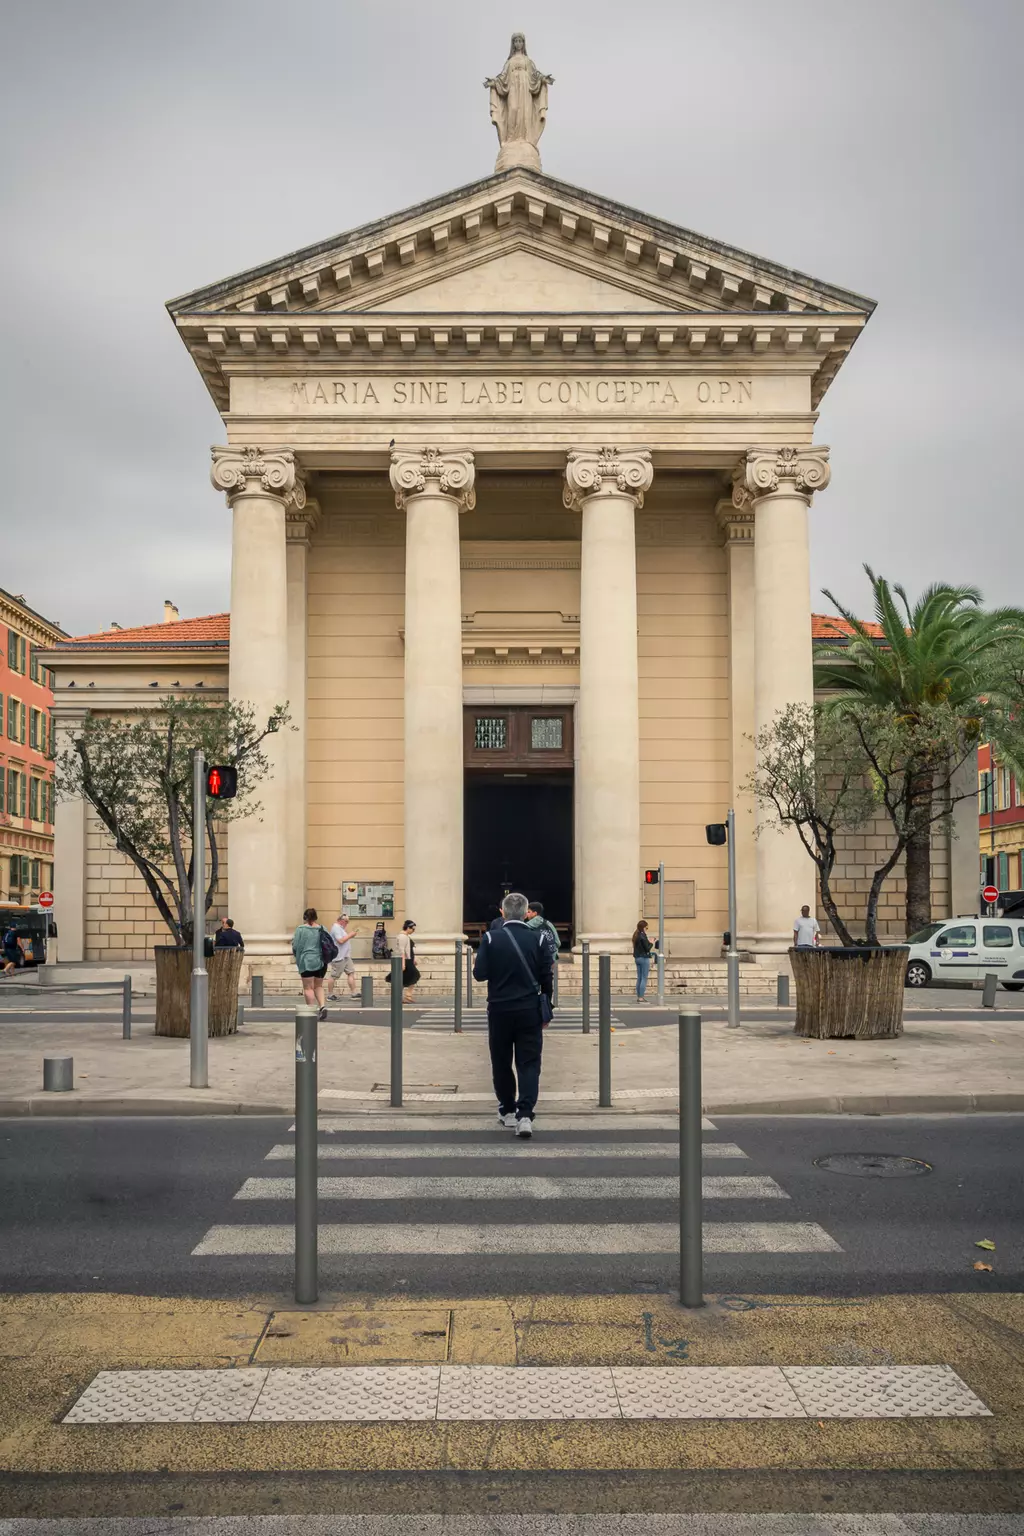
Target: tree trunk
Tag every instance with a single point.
(173, 978)
(919, 880)
(849, 993)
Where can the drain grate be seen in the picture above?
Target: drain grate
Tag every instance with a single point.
(873, 1165)
(418, 1088)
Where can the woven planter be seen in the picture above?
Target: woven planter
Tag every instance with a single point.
(849, 994)
(173, 976)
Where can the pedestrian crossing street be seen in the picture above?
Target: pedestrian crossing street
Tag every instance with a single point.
(600, 1192)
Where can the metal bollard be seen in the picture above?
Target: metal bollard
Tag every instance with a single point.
(691, 1232)
(782, 991)
(366, 992)
(458, 987)
(58, 1074)
(255, 991)
(306, 1281)
(469, 975)
(396, 1032)
(604, 1031)
(585, 987)
(126, 1008)
(660, 962)
(988, 991)
(239, 1016)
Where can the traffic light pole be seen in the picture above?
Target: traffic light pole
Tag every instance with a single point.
(660, 958)
(198, 1026)
(732, 954)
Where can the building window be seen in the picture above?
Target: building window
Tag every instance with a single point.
(17, 647)
(546, 733)
(1004, 789)
(33, 800)
(985, 794)
(33, 728)
(36, 869)
(490, 733)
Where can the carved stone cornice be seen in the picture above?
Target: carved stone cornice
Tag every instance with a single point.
(768, 471)
(433, 472)
(606, 473)
(735, 521)
(259, 471)
(300, 522)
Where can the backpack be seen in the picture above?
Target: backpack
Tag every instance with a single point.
(381, 949)
(328, 948)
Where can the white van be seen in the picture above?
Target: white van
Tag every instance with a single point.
(966, 949)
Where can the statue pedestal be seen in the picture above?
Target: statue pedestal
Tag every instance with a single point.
(518, 154)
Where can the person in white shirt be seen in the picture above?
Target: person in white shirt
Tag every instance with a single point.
(806, 933)
(342, 964)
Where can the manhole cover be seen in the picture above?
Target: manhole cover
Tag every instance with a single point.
(873, 1165)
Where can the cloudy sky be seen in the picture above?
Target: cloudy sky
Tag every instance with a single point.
(157, 145)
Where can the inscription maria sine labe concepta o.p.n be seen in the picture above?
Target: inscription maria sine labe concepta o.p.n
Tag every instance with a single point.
(481, 392)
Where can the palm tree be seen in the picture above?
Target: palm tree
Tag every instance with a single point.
(943, 649)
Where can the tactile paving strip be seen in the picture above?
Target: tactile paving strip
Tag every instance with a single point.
(883, 1392)
(482, 1393)
(527, 1392)
(707, 1392)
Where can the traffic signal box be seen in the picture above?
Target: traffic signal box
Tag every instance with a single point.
(650, 877)
(222, 783)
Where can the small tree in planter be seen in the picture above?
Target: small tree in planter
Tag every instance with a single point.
(136, 773)
(827, 770)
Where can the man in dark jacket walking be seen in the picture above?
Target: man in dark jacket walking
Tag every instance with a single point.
(515, 961)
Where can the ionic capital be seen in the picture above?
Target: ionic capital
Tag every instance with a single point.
(300, 522)
(606, 473)
(256, 471)
(433, 472)
(768, 471)
(735, 519)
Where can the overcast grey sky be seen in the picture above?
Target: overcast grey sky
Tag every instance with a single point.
(156, 145)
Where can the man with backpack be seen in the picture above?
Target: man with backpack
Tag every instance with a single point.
(516, 963)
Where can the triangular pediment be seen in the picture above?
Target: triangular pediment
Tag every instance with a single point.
(520, 241)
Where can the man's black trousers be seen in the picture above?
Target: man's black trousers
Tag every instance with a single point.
(519, 1034)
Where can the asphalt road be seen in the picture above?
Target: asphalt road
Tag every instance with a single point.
(120, 1205)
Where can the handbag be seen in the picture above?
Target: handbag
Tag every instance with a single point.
(547, 1013)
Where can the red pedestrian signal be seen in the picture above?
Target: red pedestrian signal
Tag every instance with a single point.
(650, 877)
(222, 783)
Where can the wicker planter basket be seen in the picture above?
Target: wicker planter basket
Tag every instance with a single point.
(173, 974)
(844, 994)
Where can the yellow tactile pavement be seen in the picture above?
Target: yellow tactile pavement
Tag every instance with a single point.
(52, 1346)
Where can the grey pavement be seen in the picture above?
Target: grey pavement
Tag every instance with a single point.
(493, 1524)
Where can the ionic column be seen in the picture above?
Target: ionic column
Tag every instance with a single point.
(433, 488)
(299, 525)
(260, 486)
(737, 524)
(607, 487)
(777, 484)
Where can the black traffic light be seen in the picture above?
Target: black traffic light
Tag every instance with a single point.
(222, 783)
(715, 833)
(651, 877)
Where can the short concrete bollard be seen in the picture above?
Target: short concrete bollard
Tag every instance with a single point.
(366, 992)
(256, 992)
(58, 1074)
(240, 1016)
(782, 991)
(988, 991)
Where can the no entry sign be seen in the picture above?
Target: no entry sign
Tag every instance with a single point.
(989, 894)
(46, 900)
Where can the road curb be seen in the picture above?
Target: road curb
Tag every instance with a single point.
(69, 1105)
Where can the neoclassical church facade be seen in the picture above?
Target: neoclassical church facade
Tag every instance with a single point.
(520, 482)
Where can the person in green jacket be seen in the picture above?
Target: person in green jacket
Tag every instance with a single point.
(535, 919)
(310, 960)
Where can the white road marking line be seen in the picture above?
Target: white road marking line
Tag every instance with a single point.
(447, 1239)
(486, 1393)
(515, 1525)
(498, 1148)
(379, 1095)
(382, 1119)
(514, 1186)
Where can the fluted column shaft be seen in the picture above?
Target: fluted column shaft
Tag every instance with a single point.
(778, 483)
(433, 488)
(607, 487)
(260, 487)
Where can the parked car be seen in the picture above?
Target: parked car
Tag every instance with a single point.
(966, 949)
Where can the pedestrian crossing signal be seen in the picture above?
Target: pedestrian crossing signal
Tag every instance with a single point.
(716, 833)
(222, 783)
(651, 877)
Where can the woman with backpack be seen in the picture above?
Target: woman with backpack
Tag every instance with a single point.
(314, 949)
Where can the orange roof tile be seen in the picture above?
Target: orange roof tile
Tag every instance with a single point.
(829, 626)
(214, 629)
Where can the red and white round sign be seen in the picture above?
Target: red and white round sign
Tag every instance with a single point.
(989, 894)
(45, 899)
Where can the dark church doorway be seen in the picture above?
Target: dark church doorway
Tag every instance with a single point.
(518, 831)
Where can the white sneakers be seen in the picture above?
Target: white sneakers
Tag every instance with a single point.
(524, 1127)
(507, 1121)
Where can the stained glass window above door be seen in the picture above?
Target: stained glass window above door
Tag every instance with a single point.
(490, 733)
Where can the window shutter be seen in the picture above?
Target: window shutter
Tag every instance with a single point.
(22, 794)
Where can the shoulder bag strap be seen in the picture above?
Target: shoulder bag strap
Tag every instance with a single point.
(522, 958)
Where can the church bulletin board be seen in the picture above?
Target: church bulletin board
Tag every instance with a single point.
(368, 898)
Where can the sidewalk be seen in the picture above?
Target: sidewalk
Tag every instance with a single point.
(763, 1068)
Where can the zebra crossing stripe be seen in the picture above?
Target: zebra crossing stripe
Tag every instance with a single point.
(497, 1148)
(514, 1187)
(445, 1240)
(384, 1119)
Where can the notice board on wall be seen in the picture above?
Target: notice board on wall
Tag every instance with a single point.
(368, 898)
